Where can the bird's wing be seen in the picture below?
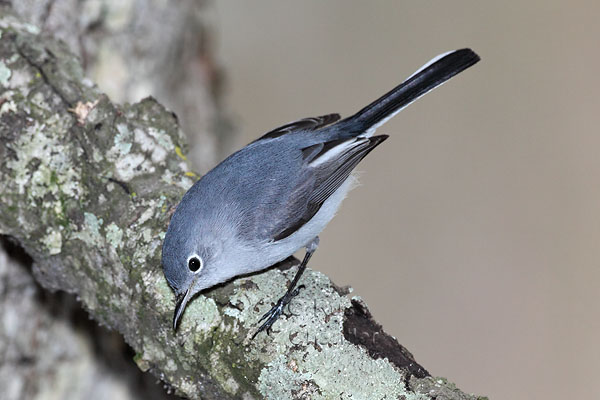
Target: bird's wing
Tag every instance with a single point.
(306, 124)
(326, 166)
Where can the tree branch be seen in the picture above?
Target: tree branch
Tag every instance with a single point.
(87, 187)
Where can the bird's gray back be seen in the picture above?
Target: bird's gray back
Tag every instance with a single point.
(252, 189)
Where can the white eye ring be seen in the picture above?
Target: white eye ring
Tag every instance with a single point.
(195, 263)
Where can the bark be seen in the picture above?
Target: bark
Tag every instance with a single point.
(50, 349)
(136, 48)
(87, 187)
(67, 355)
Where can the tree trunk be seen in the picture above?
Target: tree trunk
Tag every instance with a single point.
(87, 188)
(136, 48)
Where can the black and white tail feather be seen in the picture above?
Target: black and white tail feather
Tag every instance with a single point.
(428, 77)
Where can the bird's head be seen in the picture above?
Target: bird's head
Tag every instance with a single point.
(191, 260)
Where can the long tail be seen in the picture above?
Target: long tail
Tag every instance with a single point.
(428, 77)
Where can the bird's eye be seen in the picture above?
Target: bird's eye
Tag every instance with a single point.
(194, 263)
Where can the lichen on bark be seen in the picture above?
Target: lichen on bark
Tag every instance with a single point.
(87, 188)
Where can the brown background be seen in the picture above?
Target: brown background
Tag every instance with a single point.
(474, 235)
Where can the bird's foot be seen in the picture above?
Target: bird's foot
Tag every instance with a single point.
(271, 316)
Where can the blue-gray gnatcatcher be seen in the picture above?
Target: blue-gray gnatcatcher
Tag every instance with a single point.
(276, 195)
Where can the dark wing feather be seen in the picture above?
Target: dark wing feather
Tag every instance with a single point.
(306, 124)
(326, 174)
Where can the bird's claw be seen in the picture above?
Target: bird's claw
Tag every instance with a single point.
(271, 316)
(296, 291)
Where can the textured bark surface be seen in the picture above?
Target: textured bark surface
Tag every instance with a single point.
(87, 188)
(50, 349)
(136, 48)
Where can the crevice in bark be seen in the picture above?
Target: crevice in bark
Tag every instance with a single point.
(361, 329)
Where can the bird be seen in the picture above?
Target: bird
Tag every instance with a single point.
(275, 195)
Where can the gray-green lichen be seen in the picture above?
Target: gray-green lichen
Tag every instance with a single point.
(90, 231)
(52, 241)
(9, 21)
(5, 74)
(122, 141)
(440, 388)
(332, 373)
(310, 348)
(43, 165)
(114, 235)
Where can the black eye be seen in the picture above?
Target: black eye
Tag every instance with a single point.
(194, 264)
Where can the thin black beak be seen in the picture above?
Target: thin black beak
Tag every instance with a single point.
(179, 308)
(182, 301)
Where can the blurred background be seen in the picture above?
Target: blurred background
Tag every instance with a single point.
(474, 236)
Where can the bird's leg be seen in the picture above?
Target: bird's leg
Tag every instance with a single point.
(271, 316)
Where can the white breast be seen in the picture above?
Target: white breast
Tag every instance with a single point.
(280, 250)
